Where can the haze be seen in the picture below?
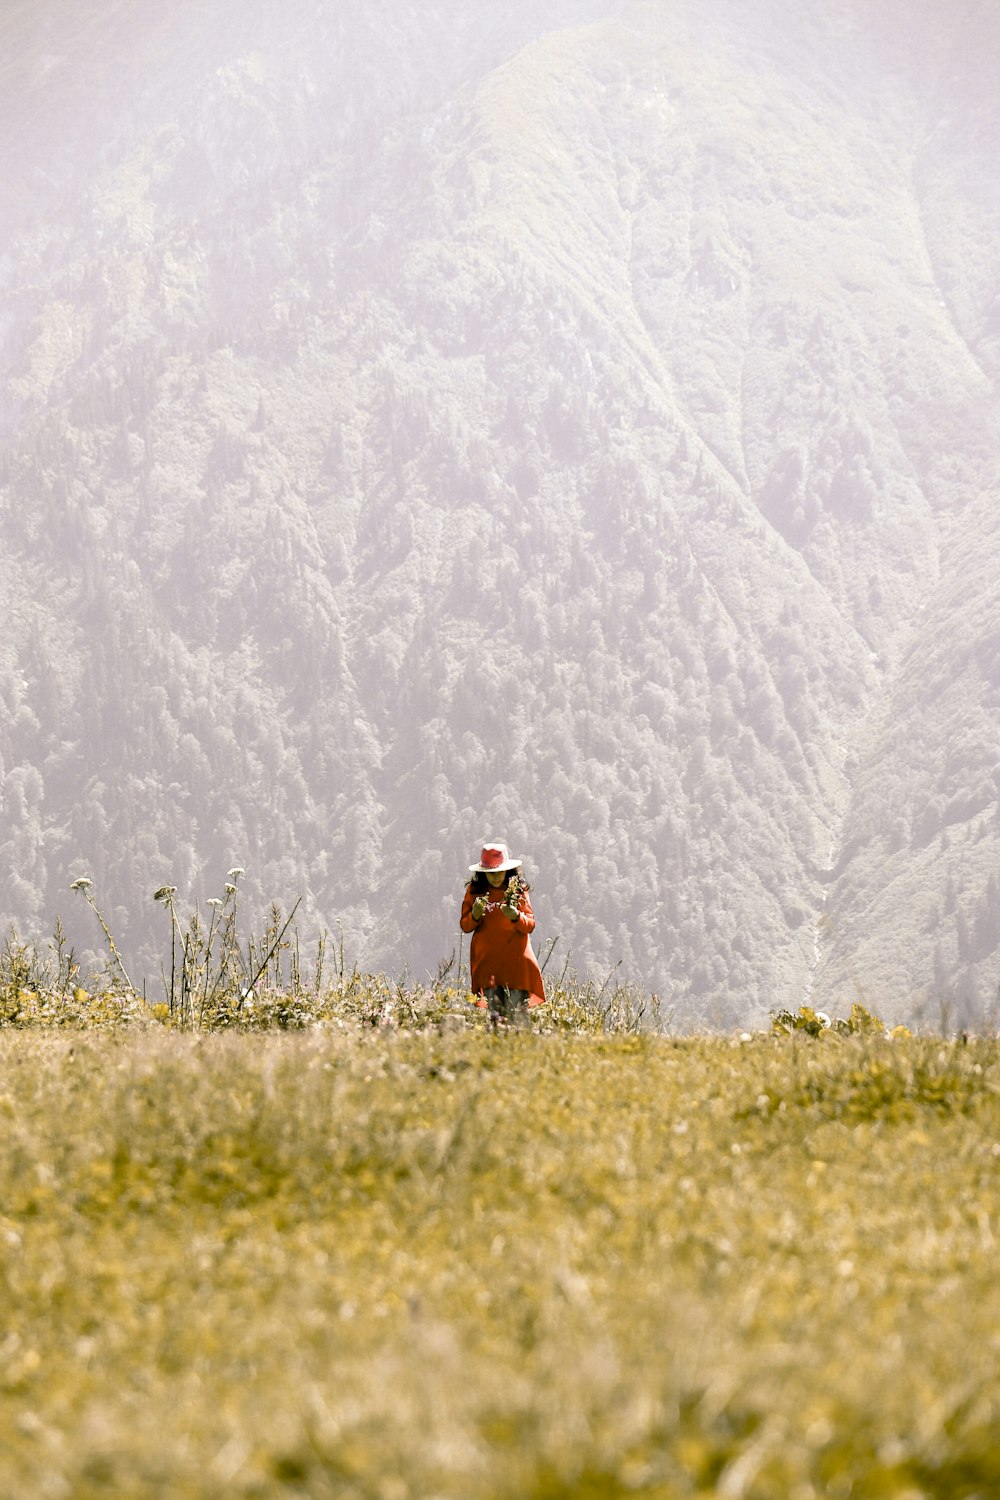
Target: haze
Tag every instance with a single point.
(574, 423)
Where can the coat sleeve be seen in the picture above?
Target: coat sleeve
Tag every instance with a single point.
(467, 921)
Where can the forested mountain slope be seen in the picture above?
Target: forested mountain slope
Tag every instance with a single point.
(571, 422)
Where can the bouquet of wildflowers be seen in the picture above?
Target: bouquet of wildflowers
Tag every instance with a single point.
(512, 895)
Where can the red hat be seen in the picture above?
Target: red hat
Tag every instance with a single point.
(494, 857)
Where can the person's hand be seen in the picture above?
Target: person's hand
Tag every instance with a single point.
(511, 911)
(478, 907)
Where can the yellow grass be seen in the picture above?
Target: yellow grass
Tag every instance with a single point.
(389, 1264)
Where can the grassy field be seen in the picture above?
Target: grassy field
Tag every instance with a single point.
(387, 1263)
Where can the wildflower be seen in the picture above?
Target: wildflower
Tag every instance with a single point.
(235, 873)
(82, 884)
(512, 895)
(165, 893)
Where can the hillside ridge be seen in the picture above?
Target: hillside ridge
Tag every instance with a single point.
(575, 427)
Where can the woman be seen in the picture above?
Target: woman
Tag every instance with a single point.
(497, 911)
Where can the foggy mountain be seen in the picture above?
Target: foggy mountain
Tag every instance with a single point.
(574, 423)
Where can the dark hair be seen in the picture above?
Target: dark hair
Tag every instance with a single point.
(479, 883)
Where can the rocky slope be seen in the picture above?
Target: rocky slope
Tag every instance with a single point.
(575, 425)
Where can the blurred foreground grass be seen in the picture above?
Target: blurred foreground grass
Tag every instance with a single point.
(391, 1264)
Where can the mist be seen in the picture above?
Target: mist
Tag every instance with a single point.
(573, 424)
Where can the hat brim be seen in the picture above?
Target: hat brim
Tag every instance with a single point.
(508, 864)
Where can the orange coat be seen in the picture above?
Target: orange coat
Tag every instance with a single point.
(501, 951)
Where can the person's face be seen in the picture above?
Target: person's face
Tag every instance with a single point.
(495, 877)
